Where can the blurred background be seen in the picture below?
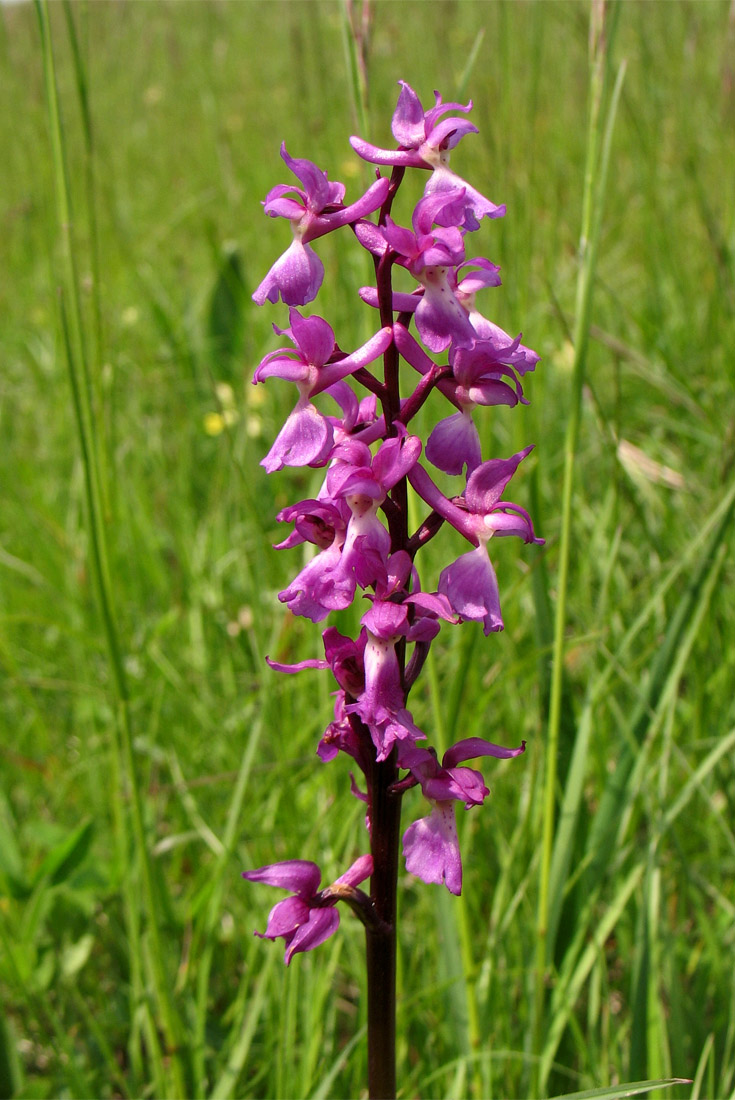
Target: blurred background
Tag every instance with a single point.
(172, 116)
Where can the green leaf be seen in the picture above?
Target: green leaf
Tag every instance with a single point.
(75, 955)
(617, 1092)
(65, 857)
(10, 1072)
(11, 862)
(226, 314)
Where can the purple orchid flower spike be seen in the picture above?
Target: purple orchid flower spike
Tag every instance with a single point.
(308, 917)
(425, 140)
(353, 530)
(313, 210)
(307, 437)
(430, 845)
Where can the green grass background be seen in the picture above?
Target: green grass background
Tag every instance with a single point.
(172, 118)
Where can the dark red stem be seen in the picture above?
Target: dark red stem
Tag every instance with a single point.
(380, 940)
(384, 801)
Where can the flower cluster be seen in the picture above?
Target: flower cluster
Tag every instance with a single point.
(364, 442)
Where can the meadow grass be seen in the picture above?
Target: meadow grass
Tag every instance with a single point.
(148, 755)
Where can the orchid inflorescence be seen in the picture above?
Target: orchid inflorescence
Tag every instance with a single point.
(370, 457)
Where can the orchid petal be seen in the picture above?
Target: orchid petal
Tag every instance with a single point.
(361, 869)
(487, 483)
(322, 923)
(305, 439)
(299, 666)
(300, 875)
(313, 178)
(449, 132)
(454, 443)
(431, 849)
(296, 276)
(407, 125)
(470, 748)
(285, 917)
(471, 587)
(314, 337)
(371, 153)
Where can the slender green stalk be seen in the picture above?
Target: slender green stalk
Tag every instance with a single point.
(356, 40)
(599, 135)
(79, 377)
(103, 446)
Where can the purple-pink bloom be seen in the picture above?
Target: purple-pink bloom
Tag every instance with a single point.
(430, 845)
(307, 437)
(363, 481)
(435, 239)
(323, 585)
(476, 206)
(501, 347)
(315, 521)
(477, 379)
(382, 705)
(420, 134)
(480, 513)
(507, 350)
(313, 210)
(425, 140)
(430, 253)
(470, 583)
(305, 919)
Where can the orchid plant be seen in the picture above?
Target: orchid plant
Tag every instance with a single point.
(359, 520)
